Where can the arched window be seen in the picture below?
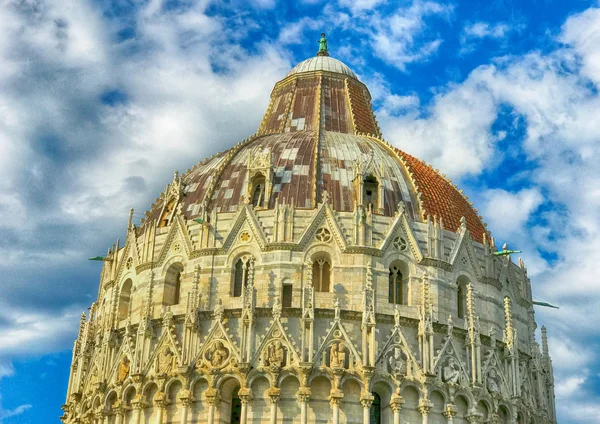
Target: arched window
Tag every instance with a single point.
(240, 276)
(321, 275)
(375, 410)
(371, 192)
(395, 292)
(461, 300)
(257, 191)
(125, 299)
(172, 290)
(236, 408)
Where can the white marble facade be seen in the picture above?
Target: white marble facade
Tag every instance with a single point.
(167, 342)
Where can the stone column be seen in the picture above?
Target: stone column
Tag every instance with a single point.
(366, 401)
(303, 397)
(138, 404)
(100, 417)
(186, 400)
(450, 412)
(425, 406)
(274, 394)
(245, 398)
(335, 400)
(160, 402)
(119, 416)
(396, 404)
(212, 397)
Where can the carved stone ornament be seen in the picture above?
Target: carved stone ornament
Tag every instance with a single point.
(396, 362)
(275, 355)
(451, 371)
(123, 371)
(324, 235)
(165, 362)
(217, 355)
(492, 383)
(337, 355)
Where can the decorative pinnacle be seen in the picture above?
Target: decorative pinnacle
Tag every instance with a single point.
(323, 46)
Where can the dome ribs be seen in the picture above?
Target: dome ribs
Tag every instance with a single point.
(440, 198)
(360, 107)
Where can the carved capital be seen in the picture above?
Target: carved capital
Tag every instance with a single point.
(160, 399)
(274, 394)
(303, 394)
(212, 396)
(450, 411)
(366, 400)
(474, 416)
(425, 406)
(245, 395)
(396, 402)
(139, 402)
(335, 397)
(185, 398)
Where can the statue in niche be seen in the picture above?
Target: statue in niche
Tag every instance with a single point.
(451, 372)
(275, 355)
(123, 371)
(218, 355)
(492, 382)
(337, 355)
(397, 363)
(165, 362)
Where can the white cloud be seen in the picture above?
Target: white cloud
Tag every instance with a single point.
(569, 386)
(510, 211)
(7, 413)
(485, 29)
(360, 5)
(552, 95)
(582, 31)
(400, 37)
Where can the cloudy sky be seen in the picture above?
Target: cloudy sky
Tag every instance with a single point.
(100, 101)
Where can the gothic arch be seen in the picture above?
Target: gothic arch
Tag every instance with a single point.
(350, 377)
(125, 299)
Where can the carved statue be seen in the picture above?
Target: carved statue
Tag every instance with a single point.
(219, 310)
(337, 355)
(165, 362)
(396, 316)
(451, 372)
(218, 354)
(323, 43)
(397, 364)
(492, 383)
(275, 355)
(123, 371)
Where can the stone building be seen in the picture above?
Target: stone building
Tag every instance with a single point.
(313, 273)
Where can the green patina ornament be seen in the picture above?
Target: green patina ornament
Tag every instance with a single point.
(323, 46)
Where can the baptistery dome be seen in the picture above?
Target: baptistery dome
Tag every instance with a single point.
(311, 273)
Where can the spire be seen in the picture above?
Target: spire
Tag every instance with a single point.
(545, 350)
(323, 46)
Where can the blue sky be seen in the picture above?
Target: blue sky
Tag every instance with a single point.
(100, 101)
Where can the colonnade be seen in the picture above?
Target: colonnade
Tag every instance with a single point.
(119, 414)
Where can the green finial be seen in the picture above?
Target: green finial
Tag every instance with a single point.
(323, 46)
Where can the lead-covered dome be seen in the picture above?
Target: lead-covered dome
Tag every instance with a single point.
(322, 63)
(319, 134)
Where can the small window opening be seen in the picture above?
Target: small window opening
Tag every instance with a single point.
(395, 294)
(287, 296)
(240, 278)
(371, 190)
(321, 275)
